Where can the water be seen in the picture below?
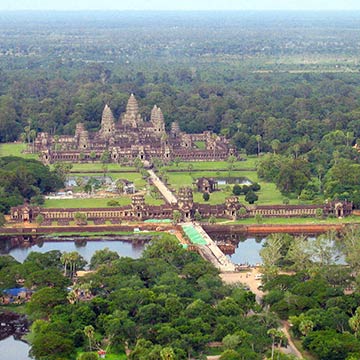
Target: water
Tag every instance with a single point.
(233, 180)
(247, 252)
(11, 349)
(86, 247)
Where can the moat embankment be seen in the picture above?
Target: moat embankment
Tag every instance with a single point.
(261, 229)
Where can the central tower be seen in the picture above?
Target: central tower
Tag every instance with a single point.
(132, 117)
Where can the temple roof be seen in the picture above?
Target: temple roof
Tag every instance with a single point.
(132, 105)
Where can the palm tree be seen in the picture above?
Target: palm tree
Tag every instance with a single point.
(32, 138)
(275, 144)
(89, 332)
(258, 139)
(65, 258)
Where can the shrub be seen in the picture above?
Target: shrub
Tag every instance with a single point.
(251, 197)
(237, 190)
(206, 196)
(113, 203)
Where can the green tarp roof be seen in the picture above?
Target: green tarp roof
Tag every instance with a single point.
(194, 236)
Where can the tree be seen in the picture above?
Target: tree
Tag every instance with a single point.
(62, 170)
(102, 257)
(74, 260)
(230, 355)
(80, 218)
(277, 336)
(176, 216)
(39, 219)
(93, 155)
(43, 300)
(306, 326)
(52, 346)
(231, 341)
(197, 216)
(105, 157)
(251, 197)
(275, 145)
(2, 219)
(89, 332)
(206, 196)
(271, 253)
(351, 247)
(88, 356)
(354, 322)
(212, 219)
(167, 353)
(298, 254)
(258, 140)
(237, 190)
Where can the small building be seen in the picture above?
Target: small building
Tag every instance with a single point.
(129, 188)
(207, 185)
(15, 295)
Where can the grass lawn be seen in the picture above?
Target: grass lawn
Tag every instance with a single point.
(95, 203)
(268, 195)
(249, 163)
(15, 149)
(293, 221)
(134, 177)
(99, 167)
(84, 203)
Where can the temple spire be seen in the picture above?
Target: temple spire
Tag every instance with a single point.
(107, 122)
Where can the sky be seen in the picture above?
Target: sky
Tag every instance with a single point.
(179, 4)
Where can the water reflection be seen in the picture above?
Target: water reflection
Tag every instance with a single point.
(19, 247)
(11, 349)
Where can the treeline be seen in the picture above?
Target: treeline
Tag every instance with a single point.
(309, 284)
(25, 180)
(170, 301)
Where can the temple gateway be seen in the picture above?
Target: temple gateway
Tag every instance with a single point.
(132, 137)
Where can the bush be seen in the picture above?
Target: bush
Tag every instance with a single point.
(113, 203)
(206, 196)
(251, 197)
(237, 190)
(255, 187)
(88, 356)
(37, 200)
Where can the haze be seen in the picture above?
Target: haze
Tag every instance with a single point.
(180, 5)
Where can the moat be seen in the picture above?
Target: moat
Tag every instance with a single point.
(242, 249)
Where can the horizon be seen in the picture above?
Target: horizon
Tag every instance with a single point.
(177, 5)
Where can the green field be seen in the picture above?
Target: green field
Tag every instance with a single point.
(248, 164)
(293, 221)
(15, 149)
(99, 167)
(94, 203)
(134, 177)
(268, 195)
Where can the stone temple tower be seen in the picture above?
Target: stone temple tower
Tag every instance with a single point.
(186, 202)
(157, 120)
(132, 117)
(107, 123)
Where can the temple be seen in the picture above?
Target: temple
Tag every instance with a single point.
(139, 211)
(132, 137)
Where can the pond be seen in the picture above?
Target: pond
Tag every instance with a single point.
(12, 349)
(233, 180)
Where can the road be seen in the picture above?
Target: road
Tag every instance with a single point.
(166, 193)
